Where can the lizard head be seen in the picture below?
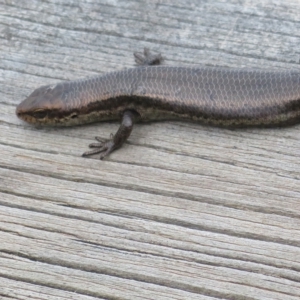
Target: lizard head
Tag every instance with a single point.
(45, 106)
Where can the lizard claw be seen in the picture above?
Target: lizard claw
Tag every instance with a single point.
(147, 58)
(105, 147)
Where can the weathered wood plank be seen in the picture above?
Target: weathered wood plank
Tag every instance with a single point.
(183, 211)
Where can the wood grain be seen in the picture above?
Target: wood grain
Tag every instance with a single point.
(182, 211)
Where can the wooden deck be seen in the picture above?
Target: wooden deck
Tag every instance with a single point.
(183, 211)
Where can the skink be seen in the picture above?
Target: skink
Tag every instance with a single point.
(216, 96)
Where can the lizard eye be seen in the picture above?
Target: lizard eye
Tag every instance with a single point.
(40, 114)
(74, 115)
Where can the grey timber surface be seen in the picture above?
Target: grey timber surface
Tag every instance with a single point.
(182, 211)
